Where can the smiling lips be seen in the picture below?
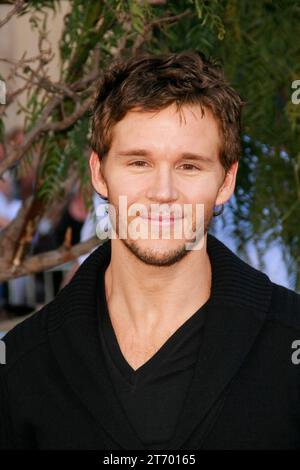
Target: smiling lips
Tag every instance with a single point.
(162, 218)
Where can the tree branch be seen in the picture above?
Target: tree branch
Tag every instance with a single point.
(64, 124)
(141, 39)
(19, 4)
(18, 153)
(48, 260)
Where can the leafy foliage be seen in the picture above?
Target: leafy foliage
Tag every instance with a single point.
(258, 43)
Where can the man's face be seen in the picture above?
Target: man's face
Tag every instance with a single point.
(159, 159)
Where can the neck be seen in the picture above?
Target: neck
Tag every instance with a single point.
(147, 299)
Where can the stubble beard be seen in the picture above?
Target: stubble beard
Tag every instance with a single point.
(168, 257)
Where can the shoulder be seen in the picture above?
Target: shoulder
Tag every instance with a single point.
(285, 306)
(30, 338)
(27, 337)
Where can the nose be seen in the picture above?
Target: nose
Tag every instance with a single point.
(162, 188)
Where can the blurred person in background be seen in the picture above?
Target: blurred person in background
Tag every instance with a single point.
(88, 231)
(52, 234)
(13, 293)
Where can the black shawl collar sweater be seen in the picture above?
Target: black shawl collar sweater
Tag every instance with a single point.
(153, 395)
(55, 392)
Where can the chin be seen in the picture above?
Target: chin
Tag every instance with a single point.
(157, 252)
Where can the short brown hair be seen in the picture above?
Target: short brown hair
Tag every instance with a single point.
(151, 82)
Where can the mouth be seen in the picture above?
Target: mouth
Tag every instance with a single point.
(162, 218)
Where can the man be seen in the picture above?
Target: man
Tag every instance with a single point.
(159, 342)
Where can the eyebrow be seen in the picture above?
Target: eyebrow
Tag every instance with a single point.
(146, 153)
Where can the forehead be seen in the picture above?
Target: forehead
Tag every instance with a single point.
(169, 129)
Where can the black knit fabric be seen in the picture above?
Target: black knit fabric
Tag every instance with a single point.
(152, 396)
(57, 392)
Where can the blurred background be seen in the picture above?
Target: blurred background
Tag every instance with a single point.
(51, 55)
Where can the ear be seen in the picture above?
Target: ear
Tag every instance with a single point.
(97, 178)
(226, 190)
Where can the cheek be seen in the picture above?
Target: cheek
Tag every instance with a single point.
(122, 198)
(202, 188)
(120, 183)
(204, 194)
(202, 202)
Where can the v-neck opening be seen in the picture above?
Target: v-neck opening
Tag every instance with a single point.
(132, 376)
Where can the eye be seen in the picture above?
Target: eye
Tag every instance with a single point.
(138, 163)
(189, 166)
